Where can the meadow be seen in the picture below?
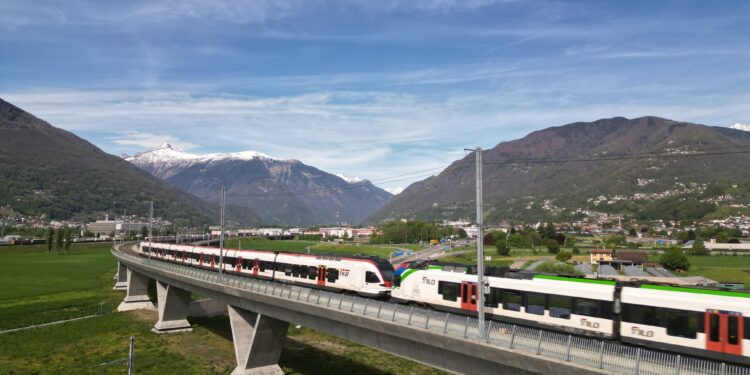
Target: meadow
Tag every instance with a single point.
(36, 287)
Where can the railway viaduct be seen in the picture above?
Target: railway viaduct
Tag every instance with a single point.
(260, 313)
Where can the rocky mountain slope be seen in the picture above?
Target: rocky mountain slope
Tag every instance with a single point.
(46, 170)
(540, 177)
(279, 191)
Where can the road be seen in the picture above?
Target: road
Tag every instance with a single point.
(431, 252)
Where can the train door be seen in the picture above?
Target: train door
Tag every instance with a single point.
(238, 267)
(322, 275)
(724, 330)
(469, 296)
(212, 262)
(256, 266)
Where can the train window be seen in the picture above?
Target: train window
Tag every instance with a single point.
(713, 324)
(295, 270)
(494, 298)
(733, 326)
(535, 303)
(640, 314)
(512, 300)
(332, 275)
(681, 323)
(371, 277)
(265, 266)
(587, 307)
(288, 269)
(312, 273)
(560, 306)
(448, 290)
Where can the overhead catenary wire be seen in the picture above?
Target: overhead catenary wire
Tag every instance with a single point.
(465, 164)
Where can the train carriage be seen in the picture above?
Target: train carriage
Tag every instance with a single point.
(367, 276)
(703, 322)
(573, 305)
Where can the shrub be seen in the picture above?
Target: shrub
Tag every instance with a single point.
(552, 246)
(564, 256)
(576, 250)
(502, 249)
(674, 259)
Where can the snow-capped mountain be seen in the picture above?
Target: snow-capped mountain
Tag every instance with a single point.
(279, 191)
(738, 126)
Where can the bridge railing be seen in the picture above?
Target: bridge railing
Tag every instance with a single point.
(585, 351)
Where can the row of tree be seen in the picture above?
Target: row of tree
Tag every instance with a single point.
(545, 236)
(60, 238)
(413, 232)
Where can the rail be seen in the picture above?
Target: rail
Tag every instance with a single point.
(590, 352)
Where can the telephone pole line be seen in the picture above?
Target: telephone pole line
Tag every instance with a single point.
(221, 236)
(480, 245)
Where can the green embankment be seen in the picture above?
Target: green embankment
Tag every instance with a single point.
(35, 286)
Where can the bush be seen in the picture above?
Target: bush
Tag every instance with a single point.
(570, 241)
(564, 256)
(558, 268)
(674, 259)
(502, 249)
(552, 246)
(576, 250)
(699, 248)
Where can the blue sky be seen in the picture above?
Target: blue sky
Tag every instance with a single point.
(367, 88)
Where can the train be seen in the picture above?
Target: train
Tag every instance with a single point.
(703, 322)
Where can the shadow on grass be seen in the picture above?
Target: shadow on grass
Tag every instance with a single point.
(299, 357)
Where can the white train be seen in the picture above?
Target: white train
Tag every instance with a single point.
(366, 276)
(702, 322)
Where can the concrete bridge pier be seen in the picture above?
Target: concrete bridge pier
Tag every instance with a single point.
(257, 342)
(173, 308)
(137, 295)
(121, 277)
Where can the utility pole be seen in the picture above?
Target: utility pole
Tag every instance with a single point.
(130, 355)
(221, 236)
(150, 228)
(480, 245)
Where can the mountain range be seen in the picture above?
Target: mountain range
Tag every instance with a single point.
(279, 191)
(636, 166)
(49, 171)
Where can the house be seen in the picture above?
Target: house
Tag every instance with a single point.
(601, 255)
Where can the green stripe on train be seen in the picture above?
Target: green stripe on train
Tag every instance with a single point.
(723, 293)
(575, 280)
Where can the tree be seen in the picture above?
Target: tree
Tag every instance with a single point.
(576, 250)
(144, 232)
(632, 233)
(59, 240)
(68, 240)
(570, 241)
(722, 237)
(502, 249)
(552, 246)
(462, 233)
(489, 239)
(50, 237)
(674, 259)
(564, 256)
(699, 248)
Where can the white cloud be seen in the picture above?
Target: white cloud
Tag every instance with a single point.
(396, 190)
(149, 141)
(739, 126)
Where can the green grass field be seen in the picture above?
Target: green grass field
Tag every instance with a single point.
(38, 287)
(382, 251)
(722, 268)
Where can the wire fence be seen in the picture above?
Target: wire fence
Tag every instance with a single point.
(590, 352)
(61, 316)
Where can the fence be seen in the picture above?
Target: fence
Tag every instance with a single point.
(606, 355)
(82, 312)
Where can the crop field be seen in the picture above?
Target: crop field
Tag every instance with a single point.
(36, 287)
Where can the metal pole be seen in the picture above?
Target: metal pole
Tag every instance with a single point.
(130, 355)
(150, 228)
(480, 244)
(221, 235)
